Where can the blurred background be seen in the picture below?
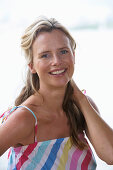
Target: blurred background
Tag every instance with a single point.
(91, 24)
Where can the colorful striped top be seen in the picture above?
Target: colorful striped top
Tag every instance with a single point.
(55, 154)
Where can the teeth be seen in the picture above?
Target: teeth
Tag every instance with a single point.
(58, 72)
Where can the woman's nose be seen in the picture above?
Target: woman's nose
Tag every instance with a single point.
(56, 60)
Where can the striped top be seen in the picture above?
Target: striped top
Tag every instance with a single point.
(56, 154)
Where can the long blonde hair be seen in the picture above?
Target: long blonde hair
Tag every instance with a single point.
(75, 117)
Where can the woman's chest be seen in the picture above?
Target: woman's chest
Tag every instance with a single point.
(53, 129)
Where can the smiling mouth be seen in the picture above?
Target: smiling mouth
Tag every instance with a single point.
(58, 72)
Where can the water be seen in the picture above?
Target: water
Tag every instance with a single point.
(93, 71)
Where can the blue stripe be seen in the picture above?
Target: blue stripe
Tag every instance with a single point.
(13, 109)
(15, 169)
(39, 155)
(11, 161)
(53, 154)
(93, 167)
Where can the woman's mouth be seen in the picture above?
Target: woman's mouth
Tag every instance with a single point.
(57, 72)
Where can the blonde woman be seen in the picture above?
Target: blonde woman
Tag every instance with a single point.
(46, 128)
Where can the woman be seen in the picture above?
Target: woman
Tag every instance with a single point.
(45, 129)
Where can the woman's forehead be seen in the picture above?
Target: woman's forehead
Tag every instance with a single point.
(53, 38)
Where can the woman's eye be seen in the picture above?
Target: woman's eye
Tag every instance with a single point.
(64, 51)
(44, 56)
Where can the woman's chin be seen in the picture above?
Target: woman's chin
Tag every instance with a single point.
(60, 84)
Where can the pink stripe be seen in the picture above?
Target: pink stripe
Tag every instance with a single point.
(9, 153)
(35, 130)
(17, 150)
(2, 115)
(25, 155)
(86, 161)
(6, 112)
(21, 162)
(75, 157)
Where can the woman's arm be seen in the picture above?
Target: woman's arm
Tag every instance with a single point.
(16, 129)
(98, 131)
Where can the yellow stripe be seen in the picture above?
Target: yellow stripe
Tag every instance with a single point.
(64, 156)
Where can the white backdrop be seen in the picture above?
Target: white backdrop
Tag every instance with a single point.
(94, 53)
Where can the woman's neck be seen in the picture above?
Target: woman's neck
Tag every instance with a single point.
(53, 98)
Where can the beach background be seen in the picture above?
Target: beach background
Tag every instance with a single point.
(91, 24)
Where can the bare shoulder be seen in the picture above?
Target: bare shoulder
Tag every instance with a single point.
(23, 116)
(18, 127)
(91, 101)
(21, 121)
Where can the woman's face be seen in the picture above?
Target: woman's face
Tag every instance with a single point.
(53, 59)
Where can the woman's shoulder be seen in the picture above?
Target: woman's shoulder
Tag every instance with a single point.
(18, 126)
(20, 116)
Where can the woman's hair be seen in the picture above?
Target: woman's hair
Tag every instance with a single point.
(75, 117)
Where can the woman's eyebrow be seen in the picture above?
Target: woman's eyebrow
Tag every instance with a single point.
(43, 52)
(62, 48)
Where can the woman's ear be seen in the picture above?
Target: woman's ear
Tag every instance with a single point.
(31, 68)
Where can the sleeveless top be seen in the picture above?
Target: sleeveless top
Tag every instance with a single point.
(55, 154)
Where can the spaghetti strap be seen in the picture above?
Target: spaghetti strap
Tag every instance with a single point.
(35, 119)
(27, 109)
(15, 107)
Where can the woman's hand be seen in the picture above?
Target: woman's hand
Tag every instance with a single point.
(79, 97)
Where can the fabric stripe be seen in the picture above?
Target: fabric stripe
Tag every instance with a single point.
(46, 154)
(83, 155)
(14, 168)
(75, 158)
(86, 161)
(25, 155)
(64, 156)
(18, 153)
(9, 153)
(59, 154)
(52, 156)
(17, 150)
(70, 153)
(11, 163)
(92, 165)
(39, 155)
